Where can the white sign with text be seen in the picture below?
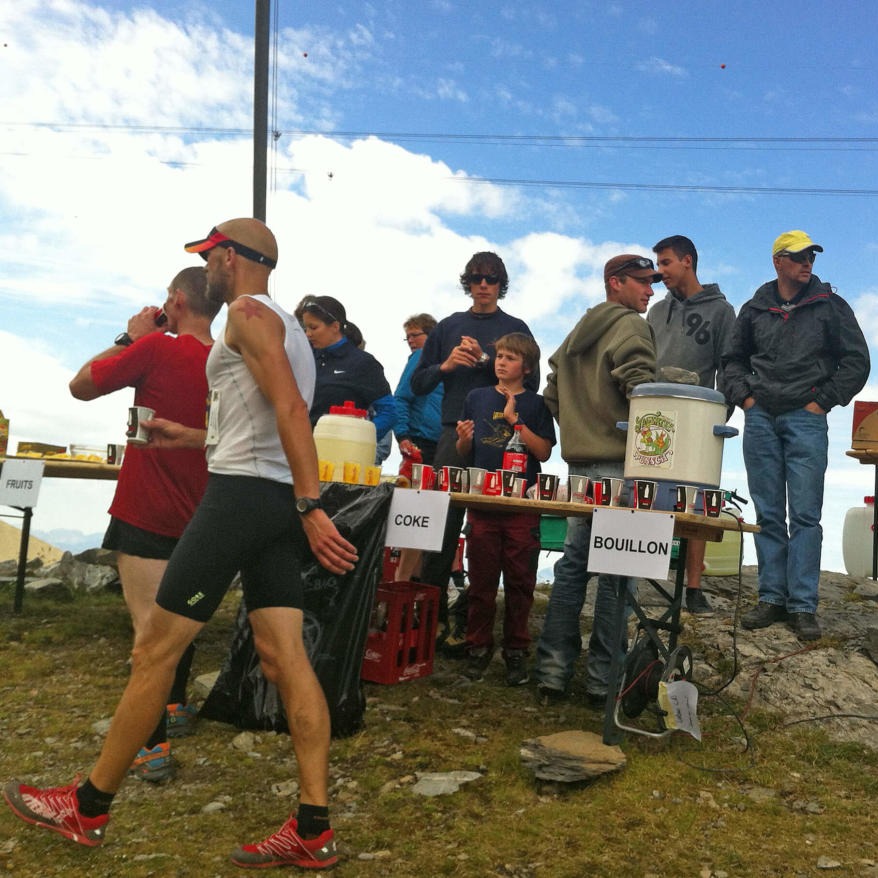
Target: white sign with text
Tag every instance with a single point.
(627, 542)
(417, 519)
(679, 701)
(20, 482)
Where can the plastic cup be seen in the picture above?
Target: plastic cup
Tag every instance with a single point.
(713, 501)
(684, 498)
(493, 485)
(547, 486)
(578, 488)
(476, 479)
(325, 470)
(644, 493)
(507, 481)
(422, 476)
(136, 433)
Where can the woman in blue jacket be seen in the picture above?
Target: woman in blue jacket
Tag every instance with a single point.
(344, 370)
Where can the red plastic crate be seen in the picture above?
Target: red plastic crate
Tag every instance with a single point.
(389, 564)
(401, 641)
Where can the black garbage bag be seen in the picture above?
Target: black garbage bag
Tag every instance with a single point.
(337, 610)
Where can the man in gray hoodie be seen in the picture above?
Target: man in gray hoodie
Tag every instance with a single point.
(607, 354)
(692, 326)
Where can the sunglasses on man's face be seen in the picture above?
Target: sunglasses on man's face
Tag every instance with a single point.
(489, 279)
(803, 257)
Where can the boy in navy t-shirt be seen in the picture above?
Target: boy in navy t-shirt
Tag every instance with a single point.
(503, 542)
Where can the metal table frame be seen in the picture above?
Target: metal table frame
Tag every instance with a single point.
(686, 526)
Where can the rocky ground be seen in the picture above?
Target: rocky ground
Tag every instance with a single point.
(833, 681)
(835, 676)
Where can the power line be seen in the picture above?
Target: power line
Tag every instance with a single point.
(666, 187)
(565, 140)
(622, 141)
(556, 184)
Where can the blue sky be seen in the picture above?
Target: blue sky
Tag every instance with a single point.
(410, 135)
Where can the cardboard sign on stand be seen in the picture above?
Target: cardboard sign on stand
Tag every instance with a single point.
(626, 542)
(417, 519)
(20, 483)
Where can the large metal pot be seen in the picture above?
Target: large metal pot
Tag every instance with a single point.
(676, 433)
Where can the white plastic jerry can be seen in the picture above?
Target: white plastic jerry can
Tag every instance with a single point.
(856, 539)
(723, 558)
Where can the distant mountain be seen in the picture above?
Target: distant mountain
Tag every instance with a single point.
(10, 546)
(70, 540)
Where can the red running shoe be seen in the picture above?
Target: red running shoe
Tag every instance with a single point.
(287, 848)
(55, 808)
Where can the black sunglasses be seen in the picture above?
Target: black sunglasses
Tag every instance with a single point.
(639, 262)
(221, 240)
(802, 257)
(489, 279)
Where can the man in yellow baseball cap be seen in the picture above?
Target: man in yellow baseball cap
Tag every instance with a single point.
(796, 352)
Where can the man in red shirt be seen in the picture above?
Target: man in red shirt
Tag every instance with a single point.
(158, 489)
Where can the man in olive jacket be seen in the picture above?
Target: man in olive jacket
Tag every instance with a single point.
(608, 353)
(796, 352)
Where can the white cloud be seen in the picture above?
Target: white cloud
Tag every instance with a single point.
(866, 309)
(662, 67)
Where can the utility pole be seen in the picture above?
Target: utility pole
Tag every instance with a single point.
(260, 107)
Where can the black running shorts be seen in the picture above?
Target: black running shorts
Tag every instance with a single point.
(133, 540)
(242, 524)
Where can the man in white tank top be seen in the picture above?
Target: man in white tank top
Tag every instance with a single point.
(261, 377)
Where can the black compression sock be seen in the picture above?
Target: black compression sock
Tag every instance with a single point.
(312, 820)
(92, 801)
(181, 676)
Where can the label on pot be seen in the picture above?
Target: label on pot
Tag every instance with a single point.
(654, 439)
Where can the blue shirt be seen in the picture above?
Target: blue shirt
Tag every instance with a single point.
(491, 433)
(419, 416)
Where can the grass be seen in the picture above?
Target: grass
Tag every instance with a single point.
(677, 809)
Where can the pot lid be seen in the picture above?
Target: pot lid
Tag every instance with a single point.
(678, 391)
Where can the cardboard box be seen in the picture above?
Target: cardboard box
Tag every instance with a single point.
(865, 428)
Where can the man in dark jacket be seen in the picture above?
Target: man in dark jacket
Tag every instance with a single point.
(796, 352)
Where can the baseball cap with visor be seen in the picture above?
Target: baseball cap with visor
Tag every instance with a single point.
(631, 265)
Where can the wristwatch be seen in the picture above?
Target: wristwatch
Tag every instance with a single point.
(123, 339)
(304, 505)
(483, 359)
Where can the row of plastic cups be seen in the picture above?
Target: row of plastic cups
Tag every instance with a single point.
(611, 492)
(475, 480)
(353, 473)
(579, 489)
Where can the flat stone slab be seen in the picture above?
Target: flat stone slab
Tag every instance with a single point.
(571, 756)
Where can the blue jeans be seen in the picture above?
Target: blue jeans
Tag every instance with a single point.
(785, 456)
(561, 640)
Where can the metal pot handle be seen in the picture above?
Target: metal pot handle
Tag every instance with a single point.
(724, 431)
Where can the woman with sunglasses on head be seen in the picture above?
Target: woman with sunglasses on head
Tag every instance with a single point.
(344, 370)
